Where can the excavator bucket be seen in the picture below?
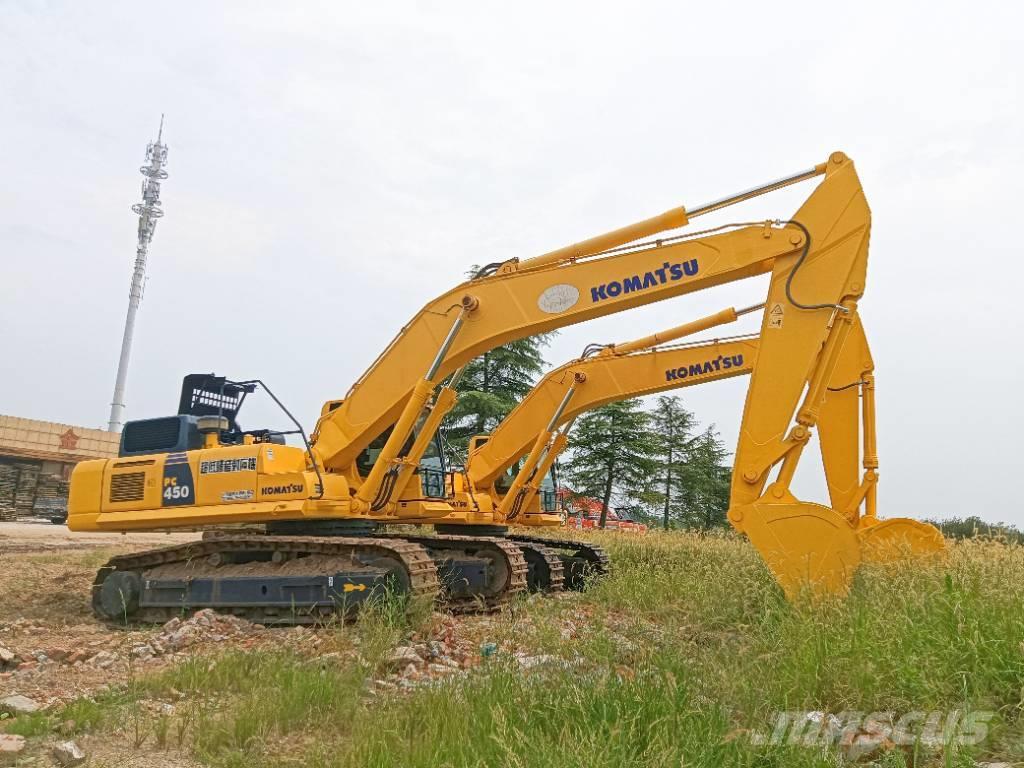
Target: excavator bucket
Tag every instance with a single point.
(899, 539)
(809, 548)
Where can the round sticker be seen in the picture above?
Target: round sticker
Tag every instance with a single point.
(558, 298)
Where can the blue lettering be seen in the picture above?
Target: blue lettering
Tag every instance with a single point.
(652, 279)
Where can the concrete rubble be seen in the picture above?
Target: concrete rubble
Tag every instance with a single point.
(68, 753)
(11, 747)
(18, 705)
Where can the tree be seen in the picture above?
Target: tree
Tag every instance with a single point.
(672, 426)
(706, 479)
(492, 385)
(691, 483)
(613, 452)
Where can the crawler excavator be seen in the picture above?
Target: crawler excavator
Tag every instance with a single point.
(541, 423)
(323, 505)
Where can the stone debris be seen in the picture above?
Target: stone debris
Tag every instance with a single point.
(68, 753)
(21, 627)
(103, 660)
(11, 746)
(403, 657)
(203, 626)
(18, 705)
(530, 662)
(175, 638)
(143, 651)
(54, 654)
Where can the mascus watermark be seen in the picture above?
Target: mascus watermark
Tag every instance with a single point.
(865, 732)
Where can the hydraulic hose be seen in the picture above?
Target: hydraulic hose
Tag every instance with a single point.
(796, 267)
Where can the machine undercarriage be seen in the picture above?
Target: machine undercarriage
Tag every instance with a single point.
(274, 579)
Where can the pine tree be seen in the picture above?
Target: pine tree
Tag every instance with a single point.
(492, 385)
(673, 426)
(705, 482)
(691, 485)
(613, 450)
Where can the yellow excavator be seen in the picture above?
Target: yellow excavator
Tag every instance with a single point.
(540, 424)
(546, 414)
(322, 507)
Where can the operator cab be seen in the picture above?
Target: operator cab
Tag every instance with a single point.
(433, 469)
(548, 491)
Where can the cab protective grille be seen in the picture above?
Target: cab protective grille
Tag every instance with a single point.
(128, 486)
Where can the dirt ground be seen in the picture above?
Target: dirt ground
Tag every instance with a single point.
(54, 651)
(35, 537)
(46, 572)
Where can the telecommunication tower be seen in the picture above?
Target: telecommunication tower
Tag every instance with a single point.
(148, 211)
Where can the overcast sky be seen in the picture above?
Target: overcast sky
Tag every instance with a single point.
(335, 165)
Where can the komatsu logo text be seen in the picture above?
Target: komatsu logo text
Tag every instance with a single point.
(720, 363)
(666, 273)
(277, 490)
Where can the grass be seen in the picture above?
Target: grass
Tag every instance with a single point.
(674, 659)
(91, 558)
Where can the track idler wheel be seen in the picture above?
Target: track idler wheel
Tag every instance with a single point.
(116, 594)
(899, 539)
(806, 546)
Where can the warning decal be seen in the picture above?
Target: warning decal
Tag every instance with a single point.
(775, 315)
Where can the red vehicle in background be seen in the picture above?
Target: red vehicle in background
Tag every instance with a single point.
(585, 512)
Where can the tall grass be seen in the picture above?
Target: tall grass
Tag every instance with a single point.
(682, 650)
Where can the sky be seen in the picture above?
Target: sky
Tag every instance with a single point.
(333, 166)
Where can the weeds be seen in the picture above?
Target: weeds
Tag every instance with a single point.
(687, 647)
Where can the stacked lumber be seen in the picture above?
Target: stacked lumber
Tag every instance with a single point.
(25, 496)
(51, 493)
(8, 490)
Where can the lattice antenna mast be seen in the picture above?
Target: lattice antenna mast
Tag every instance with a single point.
(148, 211)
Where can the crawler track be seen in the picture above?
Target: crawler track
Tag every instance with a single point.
(580, 560)
(285, 579)
(372, 563)
(509, 566)
(546, 569)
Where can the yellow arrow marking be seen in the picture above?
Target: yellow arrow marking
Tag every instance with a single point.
(353, 588)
